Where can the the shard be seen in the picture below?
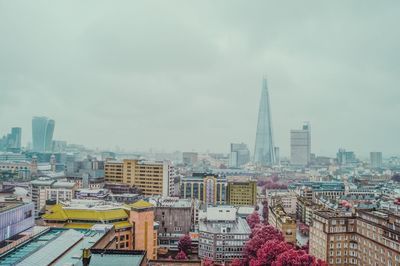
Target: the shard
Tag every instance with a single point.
(264, 151)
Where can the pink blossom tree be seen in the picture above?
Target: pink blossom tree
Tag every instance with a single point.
(208, 262)
(260, 234)
(253, 219)
(265, 211)
(181, 255)
(269, 251)
(185, 244)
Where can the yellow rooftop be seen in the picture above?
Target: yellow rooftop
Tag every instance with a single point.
(58, 213)
(141, 204)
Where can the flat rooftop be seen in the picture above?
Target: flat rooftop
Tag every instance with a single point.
(5, 206)
(57, 246)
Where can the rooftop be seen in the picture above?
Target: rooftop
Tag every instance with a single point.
(61, 213)
(53, 245)
(239, 226)
(5, 206)
(141, 204)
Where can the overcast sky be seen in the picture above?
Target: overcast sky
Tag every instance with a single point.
(186, 75)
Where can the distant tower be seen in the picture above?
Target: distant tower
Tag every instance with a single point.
(300, 145)
(42, 134)
(264, 153)
(53, 163)
(34, 166)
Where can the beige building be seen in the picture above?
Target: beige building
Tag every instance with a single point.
(364, 238)
(153, 178)
(278, 218)
(241, 191)
(113, 171)
(286, 198)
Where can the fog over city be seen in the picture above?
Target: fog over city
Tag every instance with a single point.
(186, 75)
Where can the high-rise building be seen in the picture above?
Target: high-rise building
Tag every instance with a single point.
(11, 141)
(42, 134)
(264, 152)
(376, 159)
(300, 145)
(239, 155)
(346, 157)
(152, 178)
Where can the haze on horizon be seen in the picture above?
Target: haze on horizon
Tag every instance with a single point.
(186, 75)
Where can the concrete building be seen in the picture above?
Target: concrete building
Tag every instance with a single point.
(44, 189)
(152, 178)
(300, 146)
(376, 159)
(239, 155)
(207, 188)
(222, 234)
(15, 217)
(141, 215)
(175, 217)
(241, 191)
(278, 218)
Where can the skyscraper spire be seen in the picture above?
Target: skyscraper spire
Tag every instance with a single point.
(264, 153)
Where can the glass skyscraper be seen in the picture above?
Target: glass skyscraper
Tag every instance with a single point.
(42, 134)
(264, 151)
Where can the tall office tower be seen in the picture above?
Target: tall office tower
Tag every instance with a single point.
(264, 153)
(344, 157)
(11, 141)
(277, 157)
(376, 159)
(42, 133)
(15, 138)
(240, 155)
(300, 146)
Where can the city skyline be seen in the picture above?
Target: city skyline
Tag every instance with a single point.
(158, 88)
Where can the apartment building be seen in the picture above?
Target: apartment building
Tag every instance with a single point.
(152, 178)
(113, 171)
(278, 218)
(367, 237)
(333, 238)
(305, 209)
(241, 191)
